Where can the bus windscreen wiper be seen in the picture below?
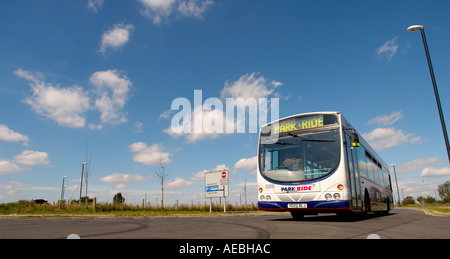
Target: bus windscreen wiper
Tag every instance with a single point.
(311, 139)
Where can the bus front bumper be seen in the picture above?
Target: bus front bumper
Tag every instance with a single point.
(310, 206)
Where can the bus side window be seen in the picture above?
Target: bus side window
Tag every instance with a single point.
(387, 181)
(369, 168)
(362, 164)
(377, 174)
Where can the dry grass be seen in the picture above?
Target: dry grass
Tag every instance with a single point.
(30, 207)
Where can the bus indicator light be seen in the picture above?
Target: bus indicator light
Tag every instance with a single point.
(340, 187)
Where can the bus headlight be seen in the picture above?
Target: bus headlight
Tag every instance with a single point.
(268, 198)
(262, 197)
(328, 196)
(337, 196)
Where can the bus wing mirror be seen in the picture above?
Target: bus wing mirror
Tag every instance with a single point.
(355, 140)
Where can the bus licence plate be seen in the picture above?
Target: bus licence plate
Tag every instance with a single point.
(297, 205)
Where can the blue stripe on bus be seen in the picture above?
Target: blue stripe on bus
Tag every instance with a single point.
(311, 205)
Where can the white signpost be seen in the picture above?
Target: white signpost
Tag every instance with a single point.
(216, 186)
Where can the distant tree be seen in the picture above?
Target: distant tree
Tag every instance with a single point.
(118, 198)
(408, 200)
(427, 200)
(444, 191)
(162, 175)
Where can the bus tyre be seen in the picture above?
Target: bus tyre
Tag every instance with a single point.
(297, 215)
(388, 208)
(366, 203)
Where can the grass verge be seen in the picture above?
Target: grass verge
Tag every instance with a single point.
(439, 207)
(24, 207)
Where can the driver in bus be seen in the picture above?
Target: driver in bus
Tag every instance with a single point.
(292, 163)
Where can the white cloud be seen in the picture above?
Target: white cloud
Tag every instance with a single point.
(94, 126)
(9, 135)
(112, 91)
(388, 49)
(386, 120)
(149, 155)
(210, 129)
(14, 188)
(116, 37)
(120, 186)
(137, 127)
(417, 164)
(74, 187)
(94, 5)
(122, 178)
(26, 158)
(382, 138)
(214, 121)
(6, 167)
(138, 146)
(435, 172)
(417, 188)
(67, 106)
(247, 163)
(157, 10)
(63, 105)
(30, 158)
(178, 183)
(158, 4)
(249, 86)
(166, 114)
(193, 8)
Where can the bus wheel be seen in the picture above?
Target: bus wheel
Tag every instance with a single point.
(297, 214)
(388, 207)
(366, 203)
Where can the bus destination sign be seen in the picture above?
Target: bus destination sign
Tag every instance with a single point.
(299, 123)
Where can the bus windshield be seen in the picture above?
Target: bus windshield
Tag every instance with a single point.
(300, 157)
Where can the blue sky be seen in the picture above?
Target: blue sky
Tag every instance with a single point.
(96, 78)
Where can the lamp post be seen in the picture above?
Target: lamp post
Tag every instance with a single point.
(81, 184)
(396, 183)
(433, 79)
(62, 189)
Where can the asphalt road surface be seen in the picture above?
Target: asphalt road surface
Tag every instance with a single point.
(399, 224)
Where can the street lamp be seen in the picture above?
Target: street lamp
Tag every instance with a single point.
(62, 189)
(396, 183)
(81, 184)
(433, 79)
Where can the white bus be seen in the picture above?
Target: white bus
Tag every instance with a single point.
(317, 163)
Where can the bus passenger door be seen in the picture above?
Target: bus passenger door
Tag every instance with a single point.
(353, 174)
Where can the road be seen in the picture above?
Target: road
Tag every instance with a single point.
(400, 224)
